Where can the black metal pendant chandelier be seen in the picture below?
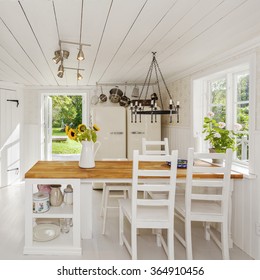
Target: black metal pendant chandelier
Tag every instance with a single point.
(139, 107)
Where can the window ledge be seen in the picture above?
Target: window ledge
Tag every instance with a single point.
(244, 170)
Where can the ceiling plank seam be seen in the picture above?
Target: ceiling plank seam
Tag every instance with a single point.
(100, 41)
(165, 34)
(139, 13)
(205, 30)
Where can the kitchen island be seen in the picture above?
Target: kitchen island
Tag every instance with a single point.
(68, 172)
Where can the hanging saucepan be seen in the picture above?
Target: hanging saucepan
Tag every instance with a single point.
(115, 94)
(124, 101)
(102, 97)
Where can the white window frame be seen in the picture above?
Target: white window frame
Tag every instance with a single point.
(201, 103)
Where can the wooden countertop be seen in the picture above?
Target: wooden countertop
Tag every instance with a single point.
(102, 170)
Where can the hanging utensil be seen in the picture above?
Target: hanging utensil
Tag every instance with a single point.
(135, 92)
(102, 96)
(124, 101)
(94, 98)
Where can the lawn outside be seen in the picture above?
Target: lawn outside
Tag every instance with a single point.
(64, 147)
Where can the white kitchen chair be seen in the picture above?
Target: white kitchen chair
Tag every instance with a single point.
(205, 200)
(150, 213)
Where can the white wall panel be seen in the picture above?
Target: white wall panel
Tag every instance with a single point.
(179, 139)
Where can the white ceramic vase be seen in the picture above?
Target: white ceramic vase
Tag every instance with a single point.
(88, 153)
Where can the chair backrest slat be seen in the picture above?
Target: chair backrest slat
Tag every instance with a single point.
(211, 197)
(164, 180)
(160, 147)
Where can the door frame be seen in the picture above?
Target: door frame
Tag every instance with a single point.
(85, 116)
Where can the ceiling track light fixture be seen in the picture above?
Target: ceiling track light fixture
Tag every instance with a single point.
(60, 54)
(80, 55)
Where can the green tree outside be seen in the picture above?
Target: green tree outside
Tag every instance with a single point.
(66, 110)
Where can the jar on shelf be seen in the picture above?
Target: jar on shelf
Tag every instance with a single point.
(68, 195)
(41, 202)
(56, 197)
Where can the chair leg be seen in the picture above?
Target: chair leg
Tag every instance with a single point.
(105, 209)
(125, 194)
(170, 241)
(133, 242)
(102, 201)
(121, 226)
(206, 230)
(188, 240)
(158, 233)
(224, 241)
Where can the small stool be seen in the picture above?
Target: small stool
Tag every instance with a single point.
(124, 190)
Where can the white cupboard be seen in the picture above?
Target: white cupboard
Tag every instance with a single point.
(112, 133)
(138, 130)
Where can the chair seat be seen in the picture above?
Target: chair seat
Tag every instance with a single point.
(145, 214)
(209, 209)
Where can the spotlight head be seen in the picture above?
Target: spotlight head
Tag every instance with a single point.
(60, 74)
(79, 76)
(65, 54)
(80, 55)
(57, 57)
(61, 69)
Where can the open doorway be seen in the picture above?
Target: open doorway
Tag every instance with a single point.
(61, 110)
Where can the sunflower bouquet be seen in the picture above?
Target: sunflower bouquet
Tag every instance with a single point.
(82, 133)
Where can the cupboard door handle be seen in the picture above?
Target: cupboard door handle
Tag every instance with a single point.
(117, 132)
(137, 132)
(13, 169)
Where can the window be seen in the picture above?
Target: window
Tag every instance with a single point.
(217, 97)
(226, 94)
(241, 114)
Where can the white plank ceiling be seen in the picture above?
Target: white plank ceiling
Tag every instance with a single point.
(122, 35)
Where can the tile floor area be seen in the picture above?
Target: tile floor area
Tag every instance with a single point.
(104, 247)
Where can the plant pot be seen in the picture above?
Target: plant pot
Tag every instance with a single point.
(215, 160)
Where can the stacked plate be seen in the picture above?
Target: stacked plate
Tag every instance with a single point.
(45, 232)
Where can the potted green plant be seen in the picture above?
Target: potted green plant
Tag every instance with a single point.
(218, 136)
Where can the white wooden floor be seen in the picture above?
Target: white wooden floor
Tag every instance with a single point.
(104, 247)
